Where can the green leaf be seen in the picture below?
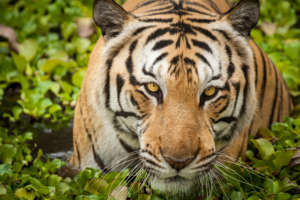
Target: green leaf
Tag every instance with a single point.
(82, 45)
(20, 62)
(5, 169)
(96, 186)
(63, 188)
(235, 195)
(271, 186)
(254, 197)
(28, 49)
(68, 28)
(282, 159)
(3, 190)
(78, 77)
(282, 196)
(264, 147)
(7, 153)
(22, 193)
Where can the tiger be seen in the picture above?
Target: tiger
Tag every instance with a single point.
(173, 87)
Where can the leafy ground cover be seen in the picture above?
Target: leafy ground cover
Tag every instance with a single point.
(40, 76)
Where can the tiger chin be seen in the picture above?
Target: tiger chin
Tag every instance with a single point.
(175, 87)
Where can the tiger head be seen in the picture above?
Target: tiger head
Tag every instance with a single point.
(178, 82)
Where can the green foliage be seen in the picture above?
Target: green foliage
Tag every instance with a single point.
(40, 83)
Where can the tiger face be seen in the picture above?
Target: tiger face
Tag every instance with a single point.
(178, 83)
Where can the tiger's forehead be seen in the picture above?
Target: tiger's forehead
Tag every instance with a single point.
(180, 35)
(171, 41)
(161, 8)
(179, 50)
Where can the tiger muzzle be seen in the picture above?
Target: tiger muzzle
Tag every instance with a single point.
(176, 163)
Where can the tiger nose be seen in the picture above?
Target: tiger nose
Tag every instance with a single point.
(178, 164)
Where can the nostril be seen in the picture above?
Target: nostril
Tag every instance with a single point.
(178, 164)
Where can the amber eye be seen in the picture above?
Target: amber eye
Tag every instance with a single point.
(210, 91)
(152, 87)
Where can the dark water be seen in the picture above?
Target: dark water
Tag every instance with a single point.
(56, 144)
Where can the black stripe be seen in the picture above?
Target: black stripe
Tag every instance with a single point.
(126, 146)
(142, 29)
(228, 120)
(150, 153)
(143, 94)
(169, 12)
(148, 73)
(132, 46)
(159, 58)
(77, 152)
(255, 68)
(228, 52)
(231, 67)
(183, 28)
(97, 158)
(152, 162)
(187, 43)
(224, 33)
(206, 157)
(146, 3)
(162, 44)
(156, 34)
(129, 63)
(178, 42)
(197, 4)
(167, 20)
(264, 80)
(199, 12)
(120, 83)
(245, 69)
(189, 61)
(107, 83)
(225, 106)
(159, 9)
(126, 114)
(202, 45)
(134, 102)
(230, 70)
(237, 87)
(205, 61)
(202, 21)
(133, 81)
(175, 60)
(245, 139)
(280, 104)
(205, 32)
(275, 99)
(216, 77)
(118, 125)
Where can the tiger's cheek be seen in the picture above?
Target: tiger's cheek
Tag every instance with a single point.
(216, 108)
(141, 102)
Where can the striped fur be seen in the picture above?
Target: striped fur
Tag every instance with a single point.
(184, 46)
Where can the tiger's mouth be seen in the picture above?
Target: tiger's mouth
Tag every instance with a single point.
(176, 178)
(183, 183)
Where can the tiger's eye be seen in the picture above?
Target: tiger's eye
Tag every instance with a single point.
(210, 91)
(152, 87)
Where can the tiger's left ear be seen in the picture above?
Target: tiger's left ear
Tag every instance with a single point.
(244, 16)
(110, 17)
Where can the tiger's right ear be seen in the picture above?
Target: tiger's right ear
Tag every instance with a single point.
(110, 17)
(244, 16)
